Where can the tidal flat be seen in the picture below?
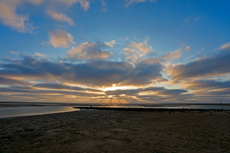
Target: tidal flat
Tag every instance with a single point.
(117, 131)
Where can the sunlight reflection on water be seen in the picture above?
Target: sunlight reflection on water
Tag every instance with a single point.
(38, 110)
(225, 107)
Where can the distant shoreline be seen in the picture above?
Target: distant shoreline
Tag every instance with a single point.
(150, 109)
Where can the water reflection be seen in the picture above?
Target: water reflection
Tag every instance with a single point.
(171, 106)
(36, 110)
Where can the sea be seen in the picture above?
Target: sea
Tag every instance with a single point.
(33, 110)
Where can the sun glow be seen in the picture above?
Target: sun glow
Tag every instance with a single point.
(114, 87)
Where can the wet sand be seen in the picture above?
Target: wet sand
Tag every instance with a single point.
(117, 131)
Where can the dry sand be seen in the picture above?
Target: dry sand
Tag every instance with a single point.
(117, 131)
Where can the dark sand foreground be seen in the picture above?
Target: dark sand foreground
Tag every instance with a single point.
(117, 131)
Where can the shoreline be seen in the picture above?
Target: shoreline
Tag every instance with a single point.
(151, 109)
(138, 109)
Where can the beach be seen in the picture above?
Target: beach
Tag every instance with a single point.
(117, 131)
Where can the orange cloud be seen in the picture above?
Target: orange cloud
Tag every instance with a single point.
(225, 46)
(88, 51)
(171, 56)
(9, 17)
(135, 51)
(60, 38)
(60, 17)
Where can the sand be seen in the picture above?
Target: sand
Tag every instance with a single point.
(117, 131)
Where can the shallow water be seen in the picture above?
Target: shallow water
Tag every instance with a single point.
(171, 106)
(33, 110)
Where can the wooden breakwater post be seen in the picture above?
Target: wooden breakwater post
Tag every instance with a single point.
(221, 104)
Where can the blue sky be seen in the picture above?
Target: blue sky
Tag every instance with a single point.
(123, 51)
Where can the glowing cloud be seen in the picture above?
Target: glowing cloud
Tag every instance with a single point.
(135, 51)
(171, 56)
(225, 46)
(60, 17)
(88, 51)
(40, 55)
(60, 38)
(110, 44)
(9, 17)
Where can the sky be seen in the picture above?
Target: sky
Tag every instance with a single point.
(115, 51)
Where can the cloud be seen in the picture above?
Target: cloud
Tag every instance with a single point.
(60, 17)
(208, 90)
(185, 47)
(37, 2)
(225, 46)
(39, 55)
(111, 43)
(60, 38)
(89, 51)
(58, 86)
(189, 57)
(137, 1)
(144, 73)
(168, 56)
(135, 51)
(150, 94)
(93, 73)
(171, 56)
(104, 6)
(21, 22)
(9, 17)
(207, 85)
(187, 19)
(197, 19)
(9, 81)
(32, 90)
(14, 52)
(42, 93)
(35, 77)
(42, 73)
(205, 67)
(84, 3)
